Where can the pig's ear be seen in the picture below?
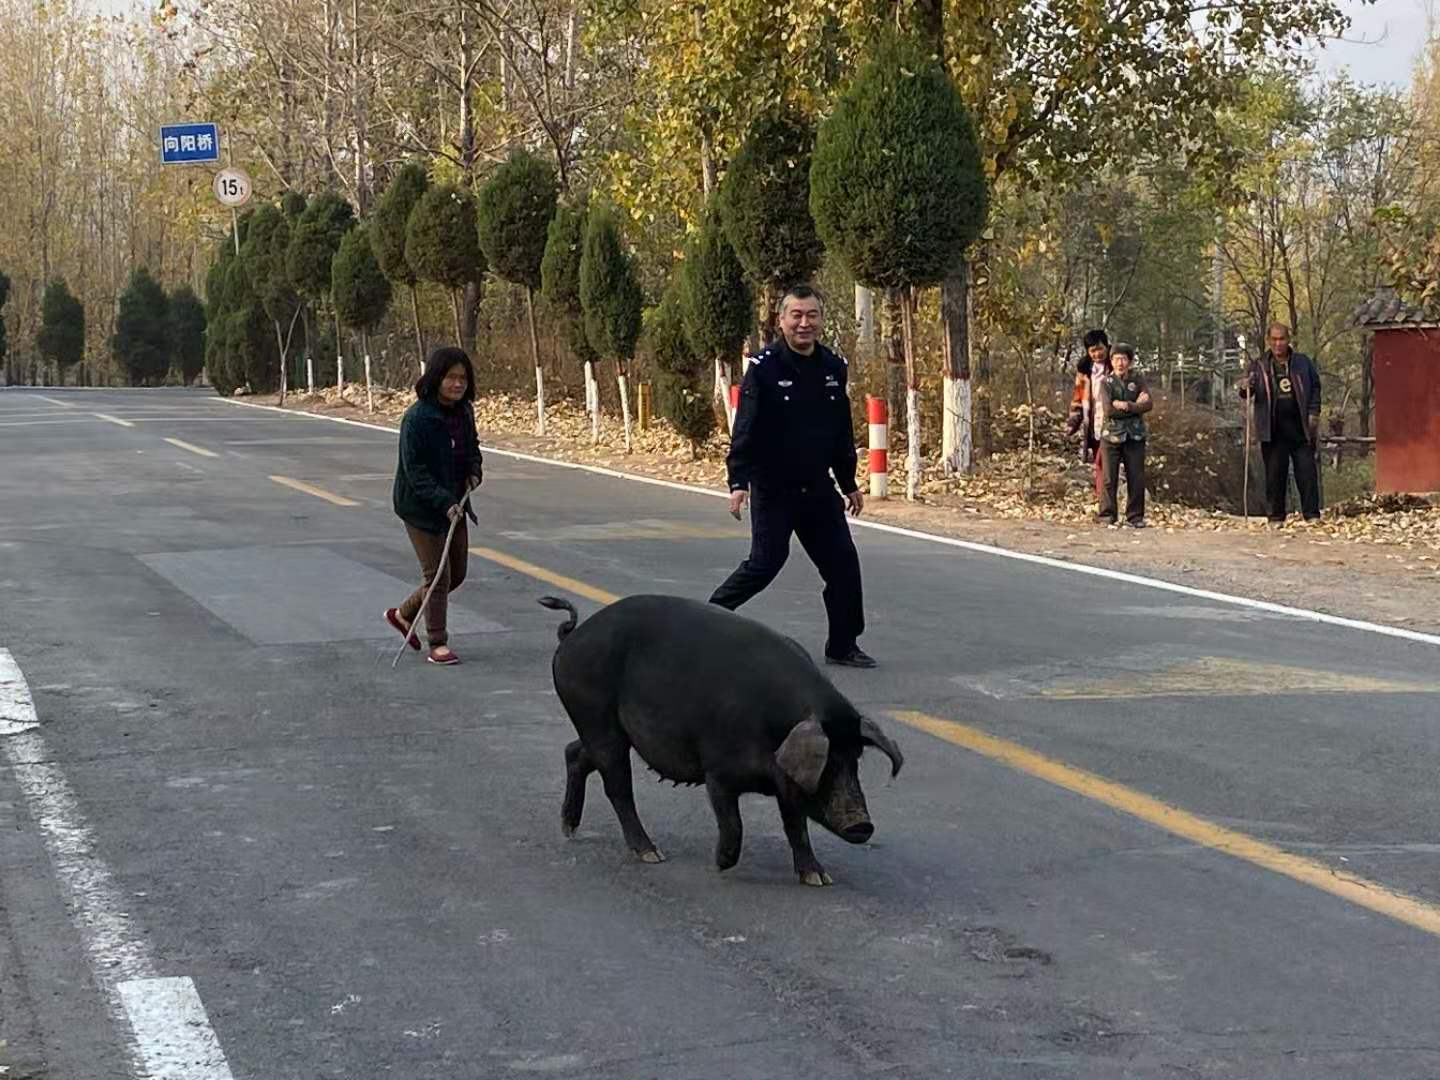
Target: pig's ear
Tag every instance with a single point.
(802, 755)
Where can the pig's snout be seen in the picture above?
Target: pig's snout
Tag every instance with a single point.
(858, 832)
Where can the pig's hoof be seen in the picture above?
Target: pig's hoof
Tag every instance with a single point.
(817, 878)
(725, 860)
(652, 856)
(568, 829)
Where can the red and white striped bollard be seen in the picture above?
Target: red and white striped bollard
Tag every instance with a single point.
(877, 413)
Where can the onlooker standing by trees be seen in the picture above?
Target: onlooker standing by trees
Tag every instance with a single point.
(1124, 401)
(439, 460)
(1283, 389)
(1097, 349)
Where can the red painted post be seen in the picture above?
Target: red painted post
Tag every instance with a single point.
(877, 413)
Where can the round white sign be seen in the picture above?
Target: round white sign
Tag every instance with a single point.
(232, 186)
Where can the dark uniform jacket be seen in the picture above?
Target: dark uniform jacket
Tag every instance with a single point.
(793, 426)
(427, 482)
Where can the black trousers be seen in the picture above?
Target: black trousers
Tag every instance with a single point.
(817, 518)
(1278, 455)
(1130, 453)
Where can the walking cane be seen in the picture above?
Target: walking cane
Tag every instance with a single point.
(1245, 482)
(444, 559)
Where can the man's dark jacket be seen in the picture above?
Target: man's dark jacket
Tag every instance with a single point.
(1306, 377)
(793, 426)
(426, 483)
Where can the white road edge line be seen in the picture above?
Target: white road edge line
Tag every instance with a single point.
(946, 541)
(113, 419)
(172, 1037)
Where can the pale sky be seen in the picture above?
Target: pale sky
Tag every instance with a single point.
(1383, 42)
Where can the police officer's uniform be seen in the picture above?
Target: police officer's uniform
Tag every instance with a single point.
(792, 430)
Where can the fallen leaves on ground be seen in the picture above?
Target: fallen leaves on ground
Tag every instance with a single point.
(1047, 486)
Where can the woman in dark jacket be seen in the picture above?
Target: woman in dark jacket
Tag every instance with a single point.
(439, 461)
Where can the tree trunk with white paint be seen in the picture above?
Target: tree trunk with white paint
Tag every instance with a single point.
(912, 397)
(722, 392)
(369, 396)
(956, 436)
(865, 321)
(419, 334)
(592, 394)
(283, 365)
(339, 359)
(535, 356)
(309, 374)
(625, 405)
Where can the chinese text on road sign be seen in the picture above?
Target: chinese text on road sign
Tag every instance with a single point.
(189, 144)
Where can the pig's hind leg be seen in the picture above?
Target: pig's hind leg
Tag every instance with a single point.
(612, 759)
(578, 767)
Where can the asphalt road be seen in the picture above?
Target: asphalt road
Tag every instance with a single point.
(360, 870)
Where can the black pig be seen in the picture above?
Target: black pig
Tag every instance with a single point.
(709, 697)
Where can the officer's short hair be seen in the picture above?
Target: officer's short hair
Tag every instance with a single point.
(1096, 337)
(802, 292)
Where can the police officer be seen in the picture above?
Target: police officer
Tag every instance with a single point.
(792, 432)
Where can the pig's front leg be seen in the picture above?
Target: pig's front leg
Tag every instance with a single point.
(797, 831)
(726, 804)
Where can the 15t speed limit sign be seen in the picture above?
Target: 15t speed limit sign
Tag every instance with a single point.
(232, 186)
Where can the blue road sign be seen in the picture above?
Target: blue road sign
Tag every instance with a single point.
(189, 144)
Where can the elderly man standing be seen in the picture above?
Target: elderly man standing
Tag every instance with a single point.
(1283, 390)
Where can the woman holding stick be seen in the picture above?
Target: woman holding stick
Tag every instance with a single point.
(440, 463)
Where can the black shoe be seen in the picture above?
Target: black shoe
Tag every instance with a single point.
(853, 658)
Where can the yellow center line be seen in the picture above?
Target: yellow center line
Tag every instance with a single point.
(579, 588)
(113, 419)
(183, 445)
(1347, 886)
(319, 493)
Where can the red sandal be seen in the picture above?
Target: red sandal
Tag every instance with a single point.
(444, 660)
(392, 616)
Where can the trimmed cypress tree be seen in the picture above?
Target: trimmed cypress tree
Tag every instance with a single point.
(764, 203)
(897, 189)
(252, 356)
(292, 205)
(387, 237)
(187, 333)
(513, 211)
(217, 344)
(441, 244)
(560, 286)
(680, 372)
(142, 329)
(361, 291)
(314, 239)
(611, 299)
(61, 338)
(266, 254)
(717, 304)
